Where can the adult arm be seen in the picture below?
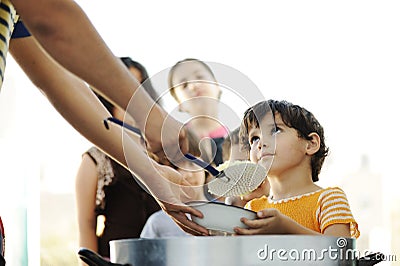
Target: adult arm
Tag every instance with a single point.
(66, 33)
(85, 194)
(81, 108)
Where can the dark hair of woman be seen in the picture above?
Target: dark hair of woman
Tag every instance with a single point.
(145, 81)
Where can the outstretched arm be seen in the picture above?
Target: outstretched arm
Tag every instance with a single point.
(66, 33)
(81, 108)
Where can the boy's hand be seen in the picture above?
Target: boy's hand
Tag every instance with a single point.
(269, 221)
(262, 190)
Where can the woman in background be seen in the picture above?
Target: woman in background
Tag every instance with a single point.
(194, 87)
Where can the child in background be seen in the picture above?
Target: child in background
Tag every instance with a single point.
(232, 151)
(289, 141)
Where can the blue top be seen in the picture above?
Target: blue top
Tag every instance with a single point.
(20, 31)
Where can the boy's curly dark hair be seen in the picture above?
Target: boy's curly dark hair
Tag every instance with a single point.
(293, 116)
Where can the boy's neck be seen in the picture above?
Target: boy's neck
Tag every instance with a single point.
(290, 186)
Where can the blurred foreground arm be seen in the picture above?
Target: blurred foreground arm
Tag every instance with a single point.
(81, 108)
(66, 33)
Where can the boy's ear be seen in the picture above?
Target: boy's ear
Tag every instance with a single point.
(313, 144)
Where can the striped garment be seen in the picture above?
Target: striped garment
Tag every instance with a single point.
(316, 210)
(8, 17)
(2, 240)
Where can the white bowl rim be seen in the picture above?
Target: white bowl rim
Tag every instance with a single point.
(190, 203)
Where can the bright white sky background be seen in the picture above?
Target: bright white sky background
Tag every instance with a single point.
(339, 59)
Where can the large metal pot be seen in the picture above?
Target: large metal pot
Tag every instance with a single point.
(240, 251)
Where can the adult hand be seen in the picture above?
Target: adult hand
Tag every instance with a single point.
(166, 137)
(241, 201)
(174, 192)
(262, 190)
(178, 214)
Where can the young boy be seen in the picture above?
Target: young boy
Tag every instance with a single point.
(289, 141)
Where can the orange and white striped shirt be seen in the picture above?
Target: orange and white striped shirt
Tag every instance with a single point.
(316, 210)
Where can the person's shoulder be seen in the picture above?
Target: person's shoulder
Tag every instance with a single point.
(93, 149)
(103, 164)
(332, 194)
(151, 227)
(158, 215)
(332, 190)
(96, 154)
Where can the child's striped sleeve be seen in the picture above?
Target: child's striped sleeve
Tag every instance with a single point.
(335, 209)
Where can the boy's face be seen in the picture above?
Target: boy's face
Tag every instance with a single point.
(191, 79)
(277, 148)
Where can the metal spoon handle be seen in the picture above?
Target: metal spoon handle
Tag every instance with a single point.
(122, 124)
(203, 164)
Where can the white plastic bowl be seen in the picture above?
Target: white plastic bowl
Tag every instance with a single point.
(219, 218)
